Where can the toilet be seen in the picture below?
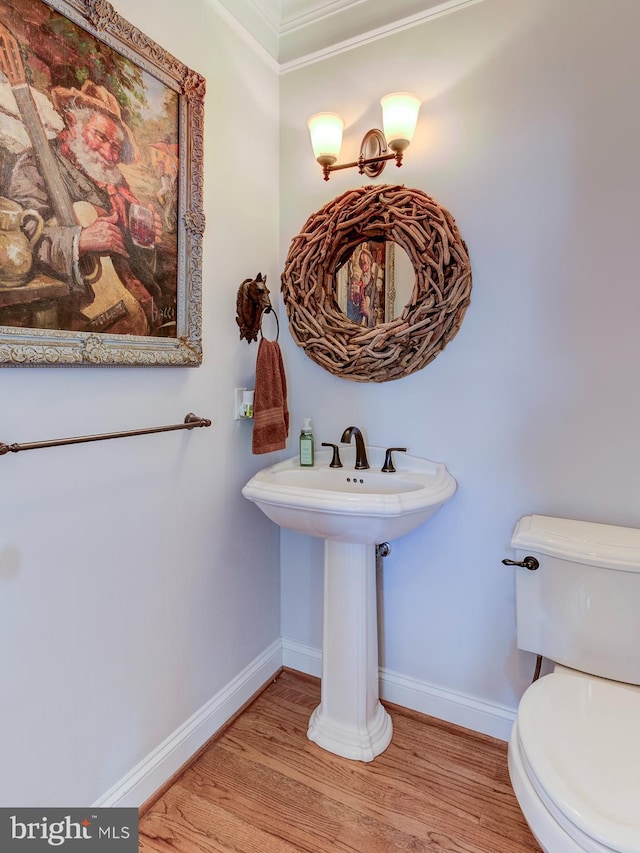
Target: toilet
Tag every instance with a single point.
(574, 751)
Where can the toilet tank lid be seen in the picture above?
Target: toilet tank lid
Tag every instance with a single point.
(580, 541)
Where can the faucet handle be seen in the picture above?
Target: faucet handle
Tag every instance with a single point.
(335, 461)
(388, 459)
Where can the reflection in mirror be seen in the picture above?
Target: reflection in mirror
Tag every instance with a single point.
(374, 282)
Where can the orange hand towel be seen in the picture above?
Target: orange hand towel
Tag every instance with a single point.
(270, 412)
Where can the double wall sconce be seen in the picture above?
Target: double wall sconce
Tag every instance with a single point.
(399, 117)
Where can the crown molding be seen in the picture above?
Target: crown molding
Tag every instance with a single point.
(248, 34)
(302, 13)
(295, 33)
(372, 35)
(260, 19)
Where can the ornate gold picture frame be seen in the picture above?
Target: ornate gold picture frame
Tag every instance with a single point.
(101, 185)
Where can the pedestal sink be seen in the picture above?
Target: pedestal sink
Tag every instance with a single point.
(352, 511)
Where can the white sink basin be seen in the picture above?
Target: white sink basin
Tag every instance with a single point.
(345, 505)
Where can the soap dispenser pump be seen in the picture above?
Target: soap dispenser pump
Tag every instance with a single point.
(306, 445)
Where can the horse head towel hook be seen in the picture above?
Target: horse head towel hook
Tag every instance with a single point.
(251, 303)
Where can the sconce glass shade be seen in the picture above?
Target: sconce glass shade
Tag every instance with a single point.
(326, 136)
(399, 117)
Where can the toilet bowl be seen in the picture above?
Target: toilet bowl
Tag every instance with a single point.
(574, 763)
(574, 751)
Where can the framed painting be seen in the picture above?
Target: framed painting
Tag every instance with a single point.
(365, 283)
(101, 220)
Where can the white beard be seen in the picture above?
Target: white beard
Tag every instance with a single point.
(91, 163)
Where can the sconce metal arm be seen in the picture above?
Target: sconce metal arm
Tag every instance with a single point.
(375, 143)
(362, 163)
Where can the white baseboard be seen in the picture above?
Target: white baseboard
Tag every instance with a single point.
(154, 770)
(458, 708)
(303, 658)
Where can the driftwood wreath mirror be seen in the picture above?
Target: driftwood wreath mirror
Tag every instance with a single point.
(377, 283)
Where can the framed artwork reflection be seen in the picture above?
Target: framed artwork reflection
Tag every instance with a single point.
(366, 283)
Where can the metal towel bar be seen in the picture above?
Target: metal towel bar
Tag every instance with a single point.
(190, 422)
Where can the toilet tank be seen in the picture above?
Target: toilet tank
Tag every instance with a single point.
(581, 607)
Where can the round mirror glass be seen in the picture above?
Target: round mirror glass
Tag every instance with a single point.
(374, 282)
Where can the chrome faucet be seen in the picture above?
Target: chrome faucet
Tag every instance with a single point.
(361, 453)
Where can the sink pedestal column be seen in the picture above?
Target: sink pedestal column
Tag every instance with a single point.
(350, 721)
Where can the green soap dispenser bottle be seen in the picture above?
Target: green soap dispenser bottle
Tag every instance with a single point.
(306, 445)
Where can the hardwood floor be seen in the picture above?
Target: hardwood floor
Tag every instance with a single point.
(262, 787)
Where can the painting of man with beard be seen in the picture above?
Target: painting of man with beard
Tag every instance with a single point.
(101, 188)
(88, 153)
(81, 126)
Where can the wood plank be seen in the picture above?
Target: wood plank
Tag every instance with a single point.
(40, 287)
(263, 786)
(188, 822)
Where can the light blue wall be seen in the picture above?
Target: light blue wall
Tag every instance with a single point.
(135, 581)
(528, 135)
